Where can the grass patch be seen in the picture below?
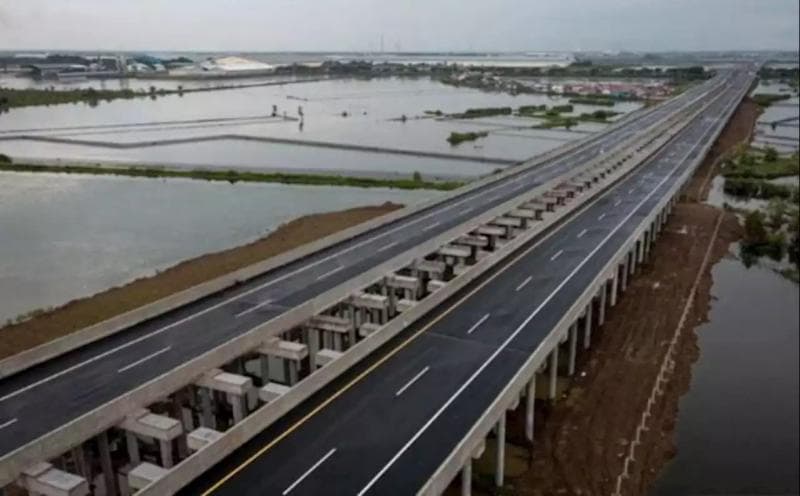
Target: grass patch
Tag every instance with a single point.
(456, 138)
(14, 98)
(232, 176)
(761, 164)
(475, 113)
(767, 99)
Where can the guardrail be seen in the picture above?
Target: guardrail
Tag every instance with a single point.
(39, 354)
(109, 414)
(212, 454)
(460, 455)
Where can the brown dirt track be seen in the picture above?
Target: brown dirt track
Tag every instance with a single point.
(581, 440)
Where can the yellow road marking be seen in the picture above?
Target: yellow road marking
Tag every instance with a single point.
(399, 347)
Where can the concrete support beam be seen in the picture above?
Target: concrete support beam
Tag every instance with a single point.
(45, 480)
(466, 478)
(272, 391)
(587, 326)
(500, 459)
(573, 347)
(106, 465)
(292, 354)
(553, 372)
(235, 387)
(324, 357)
(201, 437)
(530, 404)
(144, 474)
(150, 425)
(614, 284)
(624, 274)
(601, 310)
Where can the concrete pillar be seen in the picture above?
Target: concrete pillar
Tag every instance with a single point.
(166, 453)
(573, 347)
(466, 478)
(601, 314)
(553, 372)
(631, 263)
(106, 465)
(499, 474)
(208, 419)
(133, 448)
(614, 278)
(263, 364)
(624, 275)
(530, 404)
(238, 405)
(587, 325)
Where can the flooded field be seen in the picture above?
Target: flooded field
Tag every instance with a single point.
(351, 112)
(737, 430)
(64, 237)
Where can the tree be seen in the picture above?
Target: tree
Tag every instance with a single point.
(754, 231)
(770, 154)
(775, 211)
(417, 177)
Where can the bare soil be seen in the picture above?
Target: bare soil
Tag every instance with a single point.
(84, 312)
(582, 439)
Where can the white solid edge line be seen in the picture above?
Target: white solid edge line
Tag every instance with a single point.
(308, 472)
(253, 308)
(478, 323)
(402, 224)
(412, 381)
(524, 283)
(527, 320)
(142, 360)
(558, 254)
(8, 423)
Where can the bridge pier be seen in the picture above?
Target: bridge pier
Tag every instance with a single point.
(500, 452)
(466, 478)
(553, 372)
(601, 309)
(573, 347)
(587, 325)
(530, 405)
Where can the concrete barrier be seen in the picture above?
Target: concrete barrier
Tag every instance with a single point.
(212, 454)
(105, 416)
(452, 465)
(34, 356)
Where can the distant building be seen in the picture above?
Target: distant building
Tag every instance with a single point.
(236, 66)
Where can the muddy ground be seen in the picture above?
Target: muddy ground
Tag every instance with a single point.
(582, 440)
(84, 312)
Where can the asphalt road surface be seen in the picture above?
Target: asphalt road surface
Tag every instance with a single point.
(46, 397)
(388, 431)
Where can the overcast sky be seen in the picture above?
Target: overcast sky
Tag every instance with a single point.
(406, 25)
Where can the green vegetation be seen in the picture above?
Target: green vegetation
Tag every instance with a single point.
(456, 138)
(233, 176)
(13, 98)
(598, 116)
(475, 113)
(531, 110)
(437, 113)
(557, 121)
(767, 99)
(758, 188)
(5, 159)
(754, 163)
(605, 101)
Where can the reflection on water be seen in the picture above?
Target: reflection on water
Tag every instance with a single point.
(63, 236)
(737, 430)
(339, 111)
